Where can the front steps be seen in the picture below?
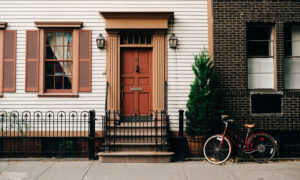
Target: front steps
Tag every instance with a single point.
(136, 141)
(136, 157)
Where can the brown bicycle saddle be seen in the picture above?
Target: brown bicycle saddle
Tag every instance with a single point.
(249, 125)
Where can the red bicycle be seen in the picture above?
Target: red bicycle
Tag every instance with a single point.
(260, 146)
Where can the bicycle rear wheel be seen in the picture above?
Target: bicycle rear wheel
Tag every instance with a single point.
(213, 152)
(264, 147)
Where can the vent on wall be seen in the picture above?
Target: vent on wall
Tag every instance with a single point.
(266, 103)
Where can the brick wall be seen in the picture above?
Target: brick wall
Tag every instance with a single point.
(230, 18)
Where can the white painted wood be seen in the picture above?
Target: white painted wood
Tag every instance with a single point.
(190, 27)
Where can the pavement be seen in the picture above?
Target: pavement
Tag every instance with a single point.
(185, 170)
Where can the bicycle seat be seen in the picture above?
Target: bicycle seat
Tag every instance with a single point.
(249, 125)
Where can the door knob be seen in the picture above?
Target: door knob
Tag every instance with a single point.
(137, 68)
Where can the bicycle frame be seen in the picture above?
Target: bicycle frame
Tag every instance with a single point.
(242, 145)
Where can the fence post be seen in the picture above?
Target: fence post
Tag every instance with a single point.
(92, 135)
(181, 140)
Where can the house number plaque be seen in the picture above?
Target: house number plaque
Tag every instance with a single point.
(136, 89)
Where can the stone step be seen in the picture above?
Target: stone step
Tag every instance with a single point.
(125, 147)
(135, 157)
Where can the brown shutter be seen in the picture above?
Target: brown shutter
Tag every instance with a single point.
(85, 63)
(32, 60)
(9, 61)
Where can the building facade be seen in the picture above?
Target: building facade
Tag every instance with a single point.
(84, 89)
(256, 51)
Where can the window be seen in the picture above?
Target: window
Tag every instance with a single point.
(260, 49)
(292, 56)
(266, 103)
(58, 61)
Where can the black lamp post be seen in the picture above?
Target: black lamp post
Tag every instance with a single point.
(173, 41)
(100, 41)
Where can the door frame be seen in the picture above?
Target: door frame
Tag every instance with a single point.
(157, 23)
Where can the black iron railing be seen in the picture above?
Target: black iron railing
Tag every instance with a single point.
(151, 128)
(47, 134)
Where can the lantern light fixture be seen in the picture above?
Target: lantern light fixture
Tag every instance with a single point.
(100, 41)
(173, 41)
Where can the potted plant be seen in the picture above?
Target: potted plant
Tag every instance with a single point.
(201, 105)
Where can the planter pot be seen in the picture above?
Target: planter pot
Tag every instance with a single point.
(196, 144)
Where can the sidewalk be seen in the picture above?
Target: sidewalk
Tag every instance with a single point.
(188, 170)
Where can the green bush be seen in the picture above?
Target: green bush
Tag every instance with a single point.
(201, 106)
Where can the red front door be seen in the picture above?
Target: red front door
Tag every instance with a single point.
(136, 81)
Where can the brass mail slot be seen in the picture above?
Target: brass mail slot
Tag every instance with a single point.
(136, 89)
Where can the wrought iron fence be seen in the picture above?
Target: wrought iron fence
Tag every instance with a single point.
(151, 128)
(47, 134)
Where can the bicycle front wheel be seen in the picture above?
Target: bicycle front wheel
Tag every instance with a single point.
(213, 152)
(261, 147)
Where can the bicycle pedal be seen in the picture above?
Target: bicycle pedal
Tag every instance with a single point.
(213, 159)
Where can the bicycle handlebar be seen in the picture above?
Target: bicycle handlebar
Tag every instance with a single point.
(225, 118)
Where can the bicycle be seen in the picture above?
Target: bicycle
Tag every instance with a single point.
(260, 146)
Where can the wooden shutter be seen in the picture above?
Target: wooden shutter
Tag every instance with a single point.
(32, 60)
(9, 61)
(85, 63)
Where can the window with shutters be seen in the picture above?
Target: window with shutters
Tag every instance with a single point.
(58, 61)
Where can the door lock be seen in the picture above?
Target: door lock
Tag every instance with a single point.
(137, 68)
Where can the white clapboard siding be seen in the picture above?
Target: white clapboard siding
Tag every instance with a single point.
(190, 27)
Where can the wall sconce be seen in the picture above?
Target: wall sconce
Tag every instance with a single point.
(100, 41)
(173, 41)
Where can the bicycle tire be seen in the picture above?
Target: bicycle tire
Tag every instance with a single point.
(213, 153)
(265, 145)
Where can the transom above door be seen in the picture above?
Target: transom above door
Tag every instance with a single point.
(136, 81)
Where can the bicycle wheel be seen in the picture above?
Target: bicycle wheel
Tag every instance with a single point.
(264, 147)
(213, 152)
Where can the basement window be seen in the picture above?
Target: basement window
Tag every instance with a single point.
(260, 56)
(292, 56)
(266, 103)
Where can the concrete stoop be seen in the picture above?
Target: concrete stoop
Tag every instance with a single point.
(135, 157)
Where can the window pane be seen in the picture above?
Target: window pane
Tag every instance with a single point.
(68, 68)
(288, 48)
(148, 40)
(143, 39)
(58, 68)
(50, 38)
(49, 68)
(49, 82)
(68, 82)
(259, 48)
(59, 38)
(130, 39)
(123, 39)
(58, 82)
(67, 38)
(59, 53)
(49, 52)
(259, 32)
(68, 53)
(136, 39)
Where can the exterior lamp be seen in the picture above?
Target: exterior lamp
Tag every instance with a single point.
(100, 41)
(173, 41)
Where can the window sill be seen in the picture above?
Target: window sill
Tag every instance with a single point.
(58, 95)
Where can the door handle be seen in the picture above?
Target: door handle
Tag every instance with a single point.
(137, 68)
